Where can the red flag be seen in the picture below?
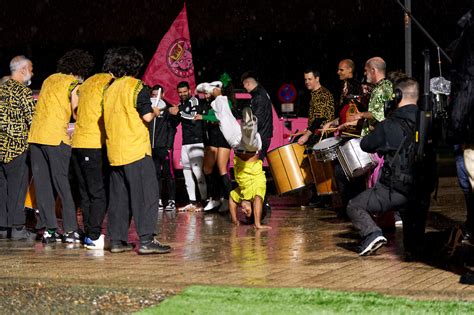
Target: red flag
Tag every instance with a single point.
(173, 60)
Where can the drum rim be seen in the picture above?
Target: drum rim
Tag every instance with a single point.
(282, 147)
(339, 139)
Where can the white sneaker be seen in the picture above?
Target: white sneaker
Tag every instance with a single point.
(160, 205)
(171, 206)
(187, 208)
(97, 244)
(224, 205)
(212, 204)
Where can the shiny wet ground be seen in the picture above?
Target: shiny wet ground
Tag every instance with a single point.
(304, 248)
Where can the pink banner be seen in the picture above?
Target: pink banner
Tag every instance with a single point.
(173, 60)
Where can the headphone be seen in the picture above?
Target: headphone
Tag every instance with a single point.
(397, 96)
(391, 105)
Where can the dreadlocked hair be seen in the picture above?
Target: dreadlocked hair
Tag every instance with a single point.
(76, 62)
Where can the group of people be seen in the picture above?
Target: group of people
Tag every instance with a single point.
(361, 112)
(122, 142)
(120, 148)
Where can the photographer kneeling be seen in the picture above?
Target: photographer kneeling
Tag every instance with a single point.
(394, 138)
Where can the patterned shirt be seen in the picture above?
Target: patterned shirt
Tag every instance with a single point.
(16, 113)
(381, 93)
(321, 105)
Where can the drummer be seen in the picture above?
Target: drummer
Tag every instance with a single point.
(321, 110)
(351, 102)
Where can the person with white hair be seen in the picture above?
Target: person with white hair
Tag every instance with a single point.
(16, 114)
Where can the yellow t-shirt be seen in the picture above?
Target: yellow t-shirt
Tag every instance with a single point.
(53, 111)
(128, 138)
(251, 180)
(89, 132)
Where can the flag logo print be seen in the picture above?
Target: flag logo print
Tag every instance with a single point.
(173, 60)
(180, 58)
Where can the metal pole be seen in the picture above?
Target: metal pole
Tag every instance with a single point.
(408, 45)
(423, 30)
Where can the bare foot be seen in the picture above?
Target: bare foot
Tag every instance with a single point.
(263, 227)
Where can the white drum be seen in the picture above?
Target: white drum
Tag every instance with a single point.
(325, 150)
(354, 161)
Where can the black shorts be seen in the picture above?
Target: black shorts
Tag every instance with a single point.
(215, 138)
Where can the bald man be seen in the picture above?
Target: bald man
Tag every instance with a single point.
(375, 72)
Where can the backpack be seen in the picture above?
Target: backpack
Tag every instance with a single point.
(400, 165)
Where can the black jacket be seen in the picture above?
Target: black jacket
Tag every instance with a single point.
(386, 138)
(262, 108)
(192, 129)
(164, 128)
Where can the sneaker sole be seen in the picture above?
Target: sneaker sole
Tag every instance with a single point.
(93, 247)
(374, 246)
(153, 251)
(121, 250)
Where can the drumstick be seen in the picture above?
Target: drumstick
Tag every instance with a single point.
(350, 134)
(322, 135)
(294, 134)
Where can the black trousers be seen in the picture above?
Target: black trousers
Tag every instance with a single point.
(378, 199)
(13, 186)
(133, 192)
(92, 170)
(164, 169)
(347, 189)
(265, 145)
(50, 167)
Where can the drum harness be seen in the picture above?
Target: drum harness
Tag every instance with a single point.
(394, 171)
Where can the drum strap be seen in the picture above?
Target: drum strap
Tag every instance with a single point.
(397, 175)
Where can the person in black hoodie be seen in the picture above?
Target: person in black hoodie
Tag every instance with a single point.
(394, 138)
(162, 133)
(261, 106)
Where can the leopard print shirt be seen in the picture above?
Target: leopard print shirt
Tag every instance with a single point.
(16, 113)
(321, 105)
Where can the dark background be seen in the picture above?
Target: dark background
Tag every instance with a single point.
(277, 40)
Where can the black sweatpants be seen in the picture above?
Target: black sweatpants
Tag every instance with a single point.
(92, 171)
(133, 192)
(378, 199)
(13, 186)
(50, 167)
(164, 169)
(347, 189)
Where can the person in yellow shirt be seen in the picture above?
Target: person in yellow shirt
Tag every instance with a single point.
(134, 188)
(250, 193)
(50, 145)
(248, 173)
(89, 158)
